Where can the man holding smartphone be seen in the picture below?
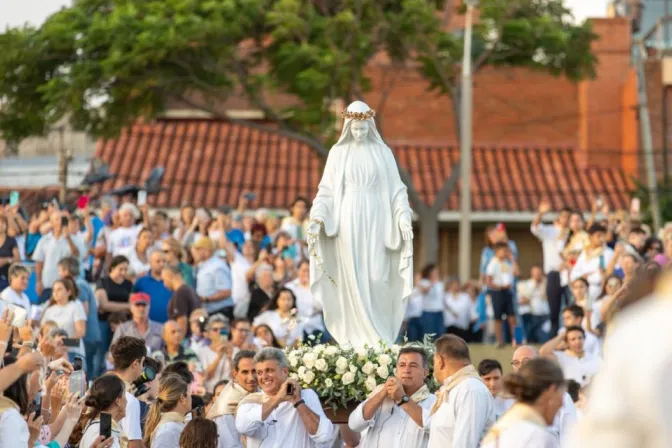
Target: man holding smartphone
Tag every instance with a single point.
(282, 414)
(216, 357)
(128, 354)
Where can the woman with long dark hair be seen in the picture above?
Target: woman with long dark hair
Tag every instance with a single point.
(264, 336)
(68, 312)
(165, 421)
(107, 395)
(199, 433)
(281, 316)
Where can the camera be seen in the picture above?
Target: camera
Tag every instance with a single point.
(148, 374)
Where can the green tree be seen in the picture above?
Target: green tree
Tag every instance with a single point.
(105, 63)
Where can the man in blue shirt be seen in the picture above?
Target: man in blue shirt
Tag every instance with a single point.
(152, 285)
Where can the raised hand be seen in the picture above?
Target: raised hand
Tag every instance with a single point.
(544, 206)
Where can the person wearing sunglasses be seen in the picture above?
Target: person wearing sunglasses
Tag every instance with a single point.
(140, 326)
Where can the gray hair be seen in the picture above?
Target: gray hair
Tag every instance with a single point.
(271, 354)
(261, 269)
(217, 318)
(70, 264)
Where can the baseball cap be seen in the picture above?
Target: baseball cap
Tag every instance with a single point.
(140, 297)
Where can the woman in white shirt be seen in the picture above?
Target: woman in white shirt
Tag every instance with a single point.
(166, 418)
(457, 310)
(14, 402)
(431, 288)
(68, 312)
(138, 255)
(107, 395)
(539, 388)
(282, 318)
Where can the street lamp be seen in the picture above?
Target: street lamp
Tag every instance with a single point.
(466, 109)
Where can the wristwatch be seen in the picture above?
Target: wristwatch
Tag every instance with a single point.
(403, 400)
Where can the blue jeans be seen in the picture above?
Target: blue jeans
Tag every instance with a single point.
(414, 329)
(91, 349)
(432, 323)
(533, 328)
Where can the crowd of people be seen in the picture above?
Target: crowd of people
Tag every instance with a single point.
(172, 331)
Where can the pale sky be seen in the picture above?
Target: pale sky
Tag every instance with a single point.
(18, 12)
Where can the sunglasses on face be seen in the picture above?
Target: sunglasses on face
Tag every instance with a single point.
(140, 304)
(218, 329)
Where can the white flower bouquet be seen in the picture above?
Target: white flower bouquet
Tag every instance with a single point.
(342, 376)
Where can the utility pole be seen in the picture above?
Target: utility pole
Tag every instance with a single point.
(466, 130)
(647, 142)
(63, 161)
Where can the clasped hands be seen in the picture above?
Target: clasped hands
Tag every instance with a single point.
(405, 226)
(393, 389)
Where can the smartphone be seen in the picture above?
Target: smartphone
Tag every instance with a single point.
(55, 204)
(250, 196)
(635, 206)
(65, 221)
(71, 342)
(290, 389)
(83, 202)
(20, 315)
(224, 334)
(76, 385)
(36, 406)
(599, 202)
(78, 363)
(13, 198)
(105, 425)
(142, 198)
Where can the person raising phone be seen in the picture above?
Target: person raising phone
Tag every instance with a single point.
(216, 357)
(106, 404)
(282, 414)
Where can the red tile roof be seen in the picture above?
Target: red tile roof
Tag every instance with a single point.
(211, 163)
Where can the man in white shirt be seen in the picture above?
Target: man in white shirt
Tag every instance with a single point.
(51, 249)
(397, 413)
(593, 262)
(215, 357)
(553, 238)
(213, 279)
(533, 306)
(464, 410)
(567, 416)
(15, 294)
(572, 316)
(490, 371)
(283, 415)
(223, 411)
(567, 349)
(128, 355)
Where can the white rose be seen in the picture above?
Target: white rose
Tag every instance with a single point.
(369, 368)
(321, 365)
(378, 350)
(332, 350)
(294, 376)
(348, 378)
(340, 371)
(328, 382)
(309, 360)
(383, 372)
(370, 383)
(353, 368)
(395, 349)
(302, 371)
(384, 360)
(318, 349)
(293, 361)
(342, 363)
(361, 353)
(308, 377)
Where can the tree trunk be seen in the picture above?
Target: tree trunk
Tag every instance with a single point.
(429, 237)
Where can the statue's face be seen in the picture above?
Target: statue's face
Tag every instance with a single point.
(359, 130)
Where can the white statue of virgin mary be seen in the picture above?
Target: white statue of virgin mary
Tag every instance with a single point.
(360, 236)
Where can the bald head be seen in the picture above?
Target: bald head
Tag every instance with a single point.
(522, 355)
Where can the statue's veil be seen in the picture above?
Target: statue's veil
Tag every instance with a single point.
(346, 136)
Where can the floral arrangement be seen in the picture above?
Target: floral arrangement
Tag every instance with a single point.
(341, 375)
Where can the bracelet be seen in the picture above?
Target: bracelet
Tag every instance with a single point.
(299, 403)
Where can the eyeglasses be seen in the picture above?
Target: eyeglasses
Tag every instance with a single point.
(140, 304)
(522, 362)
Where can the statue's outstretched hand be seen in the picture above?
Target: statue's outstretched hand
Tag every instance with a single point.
(406, 227)
(314, 227)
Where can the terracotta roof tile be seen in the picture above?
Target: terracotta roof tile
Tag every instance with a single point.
(211, 163)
